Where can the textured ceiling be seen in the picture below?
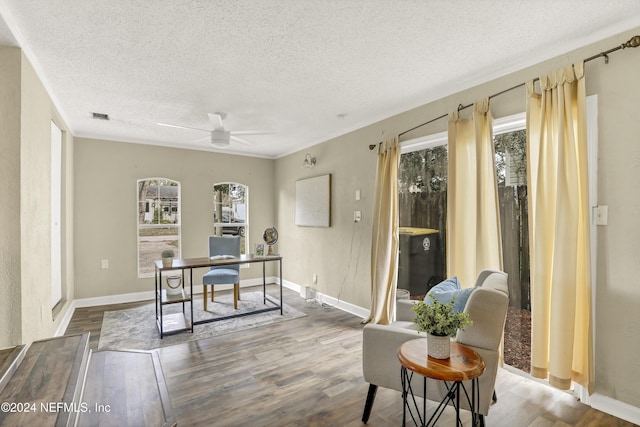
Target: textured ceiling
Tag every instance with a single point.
(308, 70)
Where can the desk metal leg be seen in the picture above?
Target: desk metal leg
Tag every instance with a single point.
(281, 300)
(156, 277)
(160, 299)
(191, 294)
(264, 283)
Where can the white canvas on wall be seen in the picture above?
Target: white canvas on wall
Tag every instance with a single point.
(313, 201)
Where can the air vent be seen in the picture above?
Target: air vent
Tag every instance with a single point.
(100, 116)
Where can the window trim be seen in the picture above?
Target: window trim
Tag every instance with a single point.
(501, 125)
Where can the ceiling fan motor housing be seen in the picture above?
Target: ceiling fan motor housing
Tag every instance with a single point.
(220, 138)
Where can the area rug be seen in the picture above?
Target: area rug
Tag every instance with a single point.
(136, 328)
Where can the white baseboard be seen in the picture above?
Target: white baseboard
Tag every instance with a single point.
(343, 305)
(616, 408)
(66, 318)
(334, 302)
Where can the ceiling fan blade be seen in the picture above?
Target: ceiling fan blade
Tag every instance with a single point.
(252, 132)
(202, 139)
(216, 119)
(182, 127)
(241, 140)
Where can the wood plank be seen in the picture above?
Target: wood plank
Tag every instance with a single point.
(10, 359)
(126, 388)
(48, 383)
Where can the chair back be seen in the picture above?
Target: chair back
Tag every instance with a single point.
(487, 307)
(493, 279)
(225, 245)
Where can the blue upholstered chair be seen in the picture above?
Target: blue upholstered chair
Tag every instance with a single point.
(224, 274)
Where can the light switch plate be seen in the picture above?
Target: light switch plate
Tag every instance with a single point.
(601, 215)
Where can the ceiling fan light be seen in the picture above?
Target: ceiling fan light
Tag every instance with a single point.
(220, 138)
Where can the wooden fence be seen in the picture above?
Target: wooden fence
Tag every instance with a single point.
(428, 210)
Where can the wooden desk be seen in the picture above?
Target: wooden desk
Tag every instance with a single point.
(173, 323)
(464, 364)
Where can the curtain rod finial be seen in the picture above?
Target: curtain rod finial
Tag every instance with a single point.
(633, 42)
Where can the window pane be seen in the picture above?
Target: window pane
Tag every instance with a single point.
(230, 211)
(158, 221)
(511, 168)
(154, 240)
(423, 216)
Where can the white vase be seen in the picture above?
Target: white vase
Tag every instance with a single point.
(438, 347)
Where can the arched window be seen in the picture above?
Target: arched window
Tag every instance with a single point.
(159, 219)
(231, 211)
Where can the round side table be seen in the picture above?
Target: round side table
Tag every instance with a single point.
(463, 364)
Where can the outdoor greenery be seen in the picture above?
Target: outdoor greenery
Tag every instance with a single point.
(511, 155)
(423, 171)
(158, 231)
(439, 319)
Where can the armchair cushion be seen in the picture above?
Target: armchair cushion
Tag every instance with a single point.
(448, 289)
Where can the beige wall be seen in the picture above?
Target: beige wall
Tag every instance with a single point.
(618, 292)
(26, 249)
(340, 255)
(106, 173)
(10, 302)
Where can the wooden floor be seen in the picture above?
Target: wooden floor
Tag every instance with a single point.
(308, 372)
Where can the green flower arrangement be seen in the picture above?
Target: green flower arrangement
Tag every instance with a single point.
(440, 319)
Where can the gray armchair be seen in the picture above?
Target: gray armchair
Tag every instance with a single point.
(487, 307)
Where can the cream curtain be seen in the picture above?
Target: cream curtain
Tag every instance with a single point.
(561, 345)
(473, 217)
(384, 245)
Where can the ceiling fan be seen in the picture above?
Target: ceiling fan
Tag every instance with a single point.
(219, 136)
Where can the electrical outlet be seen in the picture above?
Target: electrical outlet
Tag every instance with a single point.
(357, 216)
(357, 194)
(315, 278)
(105, 264)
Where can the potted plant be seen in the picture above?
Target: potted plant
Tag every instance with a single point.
(440, 322)
(167, 257)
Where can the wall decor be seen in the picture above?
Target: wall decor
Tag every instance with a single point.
(313, 201)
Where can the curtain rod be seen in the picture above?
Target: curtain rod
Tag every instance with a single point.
(632, 42)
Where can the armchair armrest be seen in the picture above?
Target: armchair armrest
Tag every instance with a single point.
(380, 345)
(404, 311)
